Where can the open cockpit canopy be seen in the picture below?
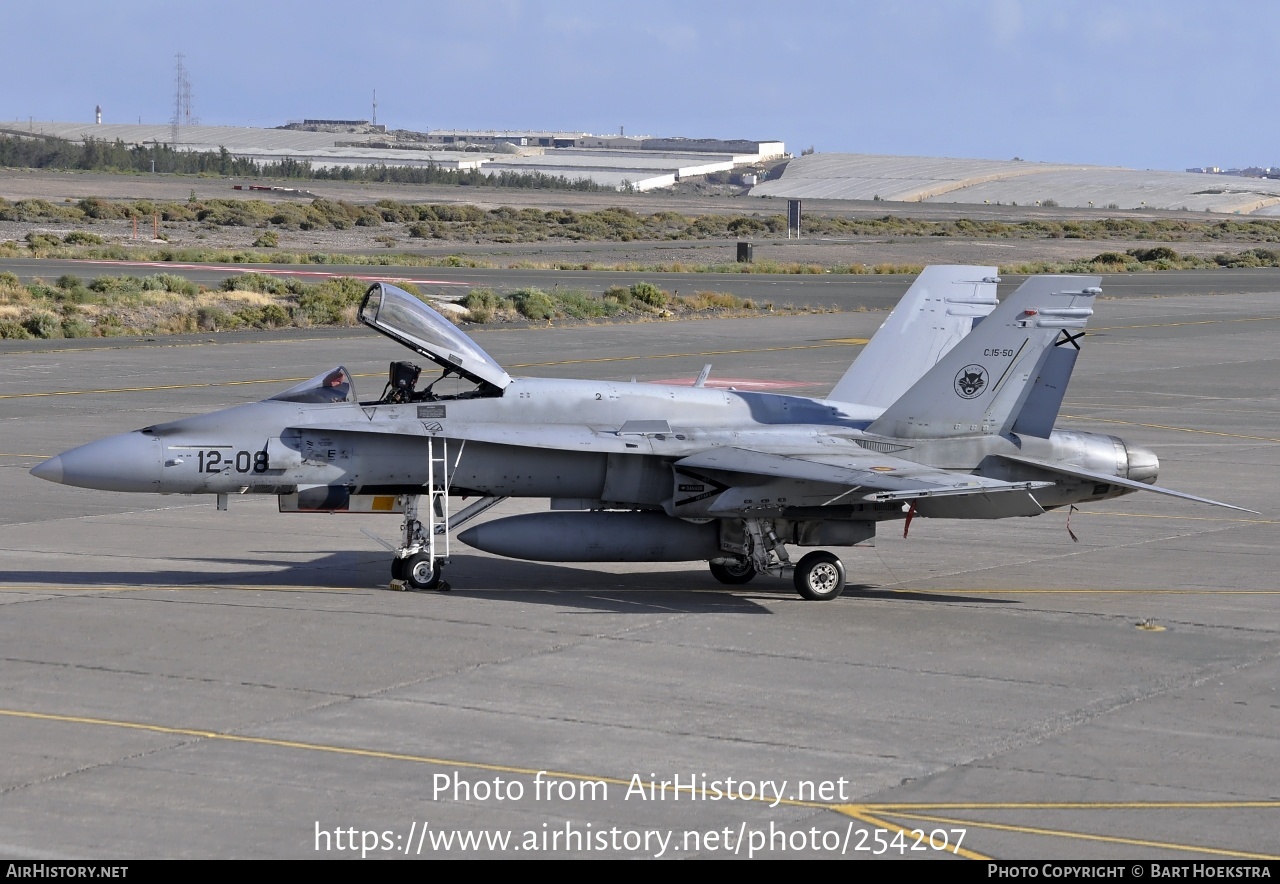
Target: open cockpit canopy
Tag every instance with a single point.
(403, 318)
(332, 386)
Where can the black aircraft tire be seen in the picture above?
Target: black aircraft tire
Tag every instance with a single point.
(419, 573)
(819, 576)
(741, 571)
(397, 568)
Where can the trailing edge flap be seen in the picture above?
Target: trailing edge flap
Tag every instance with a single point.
(941, 307)
(1082, 473)
(887, 478)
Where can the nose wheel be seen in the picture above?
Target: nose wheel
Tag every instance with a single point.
(819, 576)
(420, 572)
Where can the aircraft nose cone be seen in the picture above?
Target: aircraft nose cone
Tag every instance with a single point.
(1144, 466)
(128, 462)
(50, 470)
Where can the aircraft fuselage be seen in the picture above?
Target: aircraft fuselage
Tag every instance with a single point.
(598, 441)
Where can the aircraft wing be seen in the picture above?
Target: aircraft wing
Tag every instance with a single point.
(1082, 473)
(881, 477)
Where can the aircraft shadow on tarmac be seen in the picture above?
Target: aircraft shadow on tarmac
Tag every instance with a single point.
(689, 589)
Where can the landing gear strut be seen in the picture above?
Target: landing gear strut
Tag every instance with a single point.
(418, 563)
(819, 576)
(424, 549)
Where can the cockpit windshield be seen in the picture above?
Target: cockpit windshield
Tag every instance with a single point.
(332, 386)
(403, 318)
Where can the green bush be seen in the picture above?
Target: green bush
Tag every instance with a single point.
(426, 230)
(76, 294)
(214, 319)
(168, 282)
(1112, 258)
(82, 238)
(745, 226)
(582, 305)
(267, 316)
(96, 207)
(533, 304)
(1159, 253)
(332, 302)
(37, 241)
(479, 314)
(481, 305)
(619, 293)
(268, 239)
(255, 282)
(76, 327)
(650, 294)
(116, 285)
(481, 298)
(42, 324)
(13, 330)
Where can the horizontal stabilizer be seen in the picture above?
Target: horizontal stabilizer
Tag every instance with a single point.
(1081, 473)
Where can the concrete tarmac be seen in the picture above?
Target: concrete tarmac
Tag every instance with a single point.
(179, 682)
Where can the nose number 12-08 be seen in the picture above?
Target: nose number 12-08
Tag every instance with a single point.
(213, 461)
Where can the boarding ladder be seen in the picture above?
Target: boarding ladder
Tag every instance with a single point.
(432, 537)
(438, 510)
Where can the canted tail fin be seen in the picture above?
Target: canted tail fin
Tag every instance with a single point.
(982, 385)
(941, 307)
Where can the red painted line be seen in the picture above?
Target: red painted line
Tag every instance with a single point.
(250, 268)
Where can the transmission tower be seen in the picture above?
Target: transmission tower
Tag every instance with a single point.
(182, 115)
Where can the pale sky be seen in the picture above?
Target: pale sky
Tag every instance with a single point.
(1160, 84)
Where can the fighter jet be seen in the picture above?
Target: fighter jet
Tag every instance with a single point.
(948, 412)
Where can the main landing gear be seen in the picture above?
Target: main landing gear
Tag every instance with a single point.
(819, 576)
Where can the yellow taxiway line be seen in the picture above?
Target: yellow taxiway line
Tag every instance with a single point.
(872, 814)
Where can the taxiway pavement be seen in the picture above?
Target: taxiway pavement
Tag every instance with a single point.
(179, 682)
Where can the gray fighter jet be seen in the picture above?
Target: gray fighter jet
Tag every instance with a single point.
(948, 412)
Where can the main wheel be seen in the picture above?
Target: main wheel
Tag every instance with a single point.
(420, 573)
(737, 571)
(819, 576)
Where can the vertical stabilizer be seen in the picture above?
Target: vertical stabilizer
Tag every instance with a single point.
(941, 307)
(982, 384)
